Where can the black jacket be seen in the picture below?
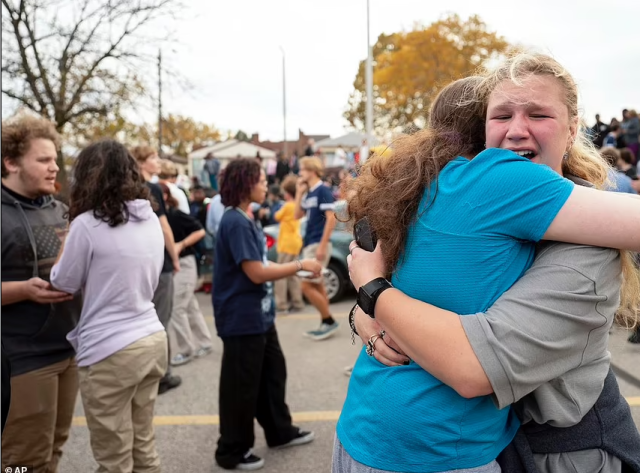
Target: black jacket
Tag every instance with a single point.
(34, 335)
(607, 426)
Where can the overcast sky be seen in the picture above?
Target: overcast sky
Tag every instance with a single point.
(230, 52)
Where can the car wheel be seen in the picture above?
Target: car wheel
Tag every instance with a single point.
(335, 282)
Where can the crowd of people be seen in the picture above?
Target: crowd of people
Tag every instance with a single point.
(618, 143)
(98, 295)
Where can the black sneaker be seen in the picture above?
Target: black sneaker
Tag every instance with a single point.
(250, 462)
(302, 438)
(170, 382)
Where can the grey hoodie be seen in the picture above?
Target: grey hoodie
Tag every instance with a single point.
(34, 335)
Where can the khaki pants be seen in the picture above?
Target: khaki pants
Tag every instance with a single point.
(118, 395)
(309, 252)
(187, 330)
(288, 287)
(40, 415)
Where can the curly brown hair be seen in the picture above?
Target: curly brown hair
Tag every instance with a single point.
(238, 178)
(105, 178)
(389, 188)
(19, 131)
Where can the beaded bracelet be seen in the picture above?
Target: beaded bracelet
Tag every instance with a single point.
(352, 324)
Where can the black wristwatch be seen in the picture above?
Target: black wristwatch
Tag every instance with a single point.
(369, 293)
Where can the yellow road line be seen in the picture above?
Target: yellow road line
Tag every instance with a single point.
(313, 416)
(634, 401)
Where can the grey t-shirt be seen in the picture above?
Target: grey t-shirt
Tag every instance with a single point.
(543, 344)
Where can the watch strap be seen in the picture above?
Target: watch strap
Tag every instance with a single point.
(373, 289)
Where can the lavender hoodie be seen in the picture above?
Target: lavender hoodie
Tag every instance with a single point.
(118, 269)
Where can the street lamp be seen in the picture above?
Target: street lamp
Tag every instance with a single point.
(284, 103)
(369, 85)
(160, 102)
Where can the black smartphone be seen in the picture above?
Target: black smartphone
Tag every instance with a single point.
(364, 235)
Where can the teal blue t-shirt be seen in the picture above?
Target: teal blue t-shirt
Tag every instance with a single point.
(473, 238)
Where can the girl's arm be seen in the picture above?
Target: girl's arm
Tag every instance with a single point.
(528, 337)
(432, 337)
(597, 218)
(191, 240)
(259, 273)
(71, 268)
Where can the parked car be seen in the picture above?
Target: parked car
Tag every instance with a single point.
(336, 281)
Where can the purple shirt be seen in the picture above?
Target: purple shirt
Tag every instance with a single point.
(118, 269)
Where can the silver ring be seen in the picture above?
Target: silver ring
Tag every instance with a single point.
(371, 344)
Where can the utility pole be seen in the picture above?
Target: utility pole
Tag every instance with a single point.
(284, 103)
(160, 102)
(369, 86)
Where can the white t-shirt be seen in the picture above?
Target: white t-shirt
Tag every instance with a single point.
(364, 154)
(180, 196)
(340, 158)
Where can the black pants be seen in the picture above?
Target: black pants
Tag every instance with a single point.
(252, 385)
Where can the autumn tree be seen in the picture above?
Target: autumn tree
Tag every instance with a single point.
(183, 134)
(180, 134)
(410, 67)
(71, 60)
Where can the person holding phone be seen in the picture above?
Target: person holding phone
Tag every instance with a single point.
(35, 317)
(531, 109)
(253, 373)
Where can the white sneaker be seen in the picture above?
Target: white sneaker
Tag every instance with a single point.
(180, 359)
(203, 351)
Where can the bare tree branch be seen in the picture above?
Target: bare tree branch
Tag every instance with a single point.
(30, 76)
(43, 73)
(78, 61)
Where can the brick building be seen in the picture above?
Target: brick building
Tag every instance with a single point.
(300, 145)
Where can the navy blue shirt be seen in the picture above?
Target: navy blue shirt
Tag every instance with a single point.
(318, 201)
(240, 307)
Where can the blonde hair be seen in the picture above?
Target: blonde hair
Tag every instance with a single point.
(167, 169)
(583, 160)
(313, 164)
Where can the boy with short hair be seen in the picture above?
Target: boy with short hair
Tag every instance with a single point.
(289, 246)
(316, 200)
(36, 316)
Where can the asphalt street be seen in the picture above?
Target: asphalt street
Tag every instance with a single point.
(186, 418)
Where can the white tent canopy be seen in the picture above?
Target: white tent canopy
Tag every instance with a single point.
(231, 149)
(350, 140)
(225, 151)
